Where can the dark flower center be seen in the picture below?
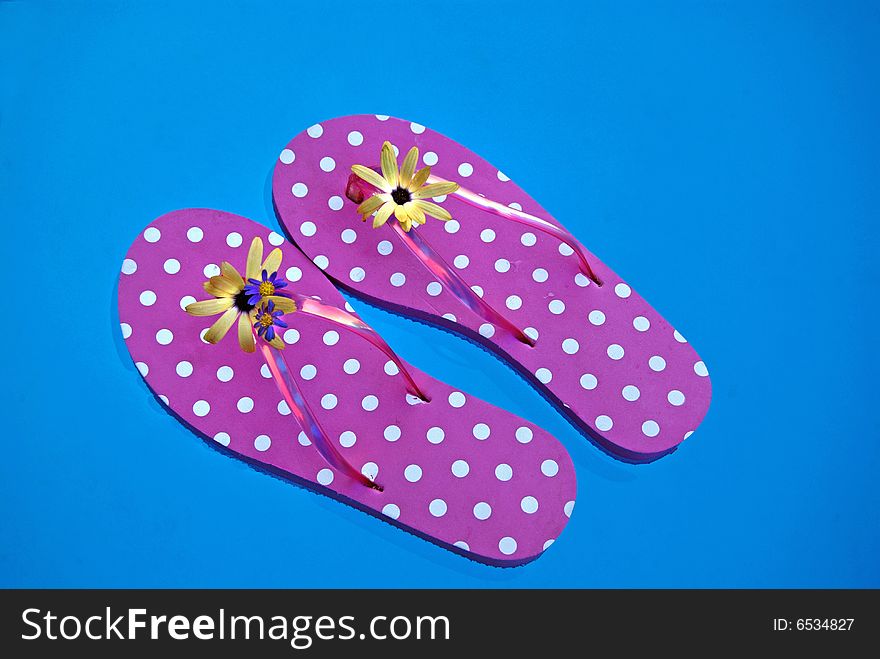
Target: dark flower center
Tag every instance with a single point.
(241, 302)
(401, 196)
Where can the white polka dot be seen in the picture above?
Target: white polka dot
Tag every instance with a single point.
(184, 369)
(465, 169)
(503, 472)
(325, 477)
(570, 346)
(398, 279)
(126, 330)
(604, 422)
(234, 239)
(478, 290)
(391, 433)
(293, 274)
(568, 508)
(315, 131)
(391, 510)
(164, 337)
(201, 408)
(370, 403)
(596, 317)
(581, 280)
(529, 505)
(513, 302)
(615, 351)
(549, 468)
(171, 266)
(487, 330)
(148, 298)
(688, 434)
(211, 270)
(355, 138)
(328, 401)
(396, 150)
(308, 372)
(129, 266)
(502, 176)
(245, 404)
(452, 226)
(163, 398)
(631, 392)
(418, 129)
(507, 545)
(481, 431)
(186, 300)
(385, 248)
(556, 307)
(224, 373)
(152, 234)
(622, 290)
(641, 323)
(347, 439)
(548, 543)
(335, 203)
(357, 274)
(287, 156)
(515, 206)
(327, 164)
(657, 363)
(303, 439)
(531, 332)
(351, 366)
(262, 443)
(142, 368)
(275, 239)
(457, 399)
(589, 381)
(487, 235)
(331, 338)
(438, 507)
(202, 335)
(450, 316)
(700, 369)
(540, 275)
(390, 368)
(283, 408)
(413, 473)
(679, 337)
(299, 190)
(435, 435)
(544, 375)
(348, 236)
(461, 544)
(460, 468)
(430, 158)
(434, 289)
(195, 234)
(321, 261)
(565, 249)
(482, 510)
(650, 428)
(502, 265)
(524, 435)
(291, 336)
(528, 239)
(265, 372)
(675, 397)
(308, 228)
(222, 438)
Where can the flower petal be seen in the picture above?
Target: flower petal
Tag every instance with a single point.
(218, 330)
(409, 166)
(245, 332)
(433, 210)
(273, 261)
(231, 274)
(223, 284)
(389, 165)
(371, 177)
(419, 179)
(277, 343)
(209, 307)
(370, 205)
(254, 259)
(416, 213)
(210, 289)
(383, 214)
(283, 303)
(435, 190)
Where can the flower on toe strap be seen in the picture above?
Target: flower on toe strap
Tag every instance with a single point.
(403, 192)
(235, 303)
(267, 319)
(257, 289)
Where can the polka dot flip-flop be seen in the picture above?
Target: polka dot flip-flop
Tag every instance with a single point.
(334, 409)
(502, 272)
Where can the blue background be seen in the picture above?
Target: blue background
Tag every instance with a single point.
(727, 154)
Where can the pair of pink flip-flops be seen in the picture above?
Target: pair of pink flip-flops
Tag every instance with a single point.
(304, 388)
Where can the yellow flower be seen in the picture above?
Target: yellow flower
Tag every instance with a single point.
(231, 300)
(403, 192)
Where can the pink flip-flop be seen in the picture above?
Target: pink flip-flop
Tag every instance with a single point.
(503, 273)
(322, 400)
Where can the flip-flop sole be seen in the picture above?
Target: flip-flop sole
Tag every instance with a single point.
(619, 371)
(457, 471)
